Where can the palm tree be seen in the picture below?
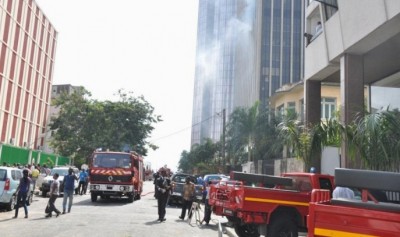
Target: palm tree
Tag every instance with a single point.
(241, 129)
(304, 142)
(377, 140)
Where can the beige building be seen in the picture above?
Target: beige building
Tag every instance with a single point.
(357, 46)
(291, 96)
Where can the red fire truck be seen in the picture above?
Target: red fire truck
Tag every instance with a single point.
(374, 210)
(116, 174)
(267, 205)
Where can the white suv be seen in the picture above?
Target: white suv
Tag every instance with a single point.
(9, 181)
(62, 171)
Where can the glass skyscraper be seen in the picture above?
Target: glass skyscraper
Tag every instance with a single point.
(246, 49)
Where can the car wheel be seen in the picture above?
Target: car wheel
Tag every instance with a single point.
(93, 197)
(11, 205)
(282, 226)
(131, 197)
(247, 230)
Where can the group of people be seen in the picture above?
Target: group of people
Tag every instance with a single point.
(163, 188)
(24, 188)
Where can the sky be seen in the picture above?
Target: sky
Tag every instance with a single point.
(144, 46)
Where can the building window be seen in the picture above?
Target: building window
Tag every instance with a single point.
(291, 107)
(328, 108)
(280, 110)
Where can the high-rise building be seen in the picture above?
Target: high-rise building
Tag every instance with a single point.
(246, 50)
(27, 50)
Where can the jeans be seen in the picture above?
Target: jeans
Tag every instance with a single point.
(21, 198)
(68, 194)
(186, 206)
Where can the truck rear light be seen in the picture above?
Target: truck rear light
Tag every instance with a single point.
(7, 185)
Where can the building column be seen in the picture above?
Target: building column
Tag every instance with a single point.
(352, 97)
(312, 102)
(312, 96)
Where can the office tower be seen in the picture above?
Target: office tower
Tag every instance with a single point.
(245, 51)
(27, 50)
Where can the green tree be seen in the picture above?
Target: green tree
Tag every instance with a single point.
(83, 125)
(252, 135)
(377, 138)
(304, 142)
(241, 133)
(200, 157)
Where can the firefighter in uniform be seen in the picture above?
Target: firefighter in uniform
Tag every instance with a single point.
(163, 186)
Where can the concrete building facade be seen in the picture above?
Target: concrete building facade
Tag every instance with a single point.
(27, 54)
(357, 46)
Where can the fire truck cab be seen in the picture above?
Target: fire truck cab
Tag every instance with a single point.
(116, 174)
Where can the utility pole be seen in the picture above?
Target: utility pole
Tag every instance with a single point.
(223, 139)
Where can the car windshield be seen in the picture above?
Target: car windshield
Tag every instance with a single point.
(182, 179)
(213, 178)
(60, 172)
(112, 161)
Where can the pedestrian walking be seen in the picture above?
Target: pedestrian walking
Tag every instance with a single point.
(54, 193)
(69, 181)
(163, 185)
(187, 201)
(23, 191)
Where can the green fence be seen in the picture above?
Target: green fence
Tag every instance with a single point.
(16, 155)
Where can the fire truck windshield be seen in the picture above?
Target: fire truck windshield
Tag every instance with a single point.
(112, 161)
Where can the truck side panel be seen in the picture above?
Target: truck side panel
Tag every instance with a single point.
(332, 220)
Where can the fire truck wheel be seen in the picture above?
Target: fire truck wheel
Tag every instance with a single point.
(282, 226)
(130, 197)
(93, 197)
(246, 230)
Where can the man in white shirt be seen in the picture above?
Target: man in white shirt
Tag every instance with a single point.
(54, 193)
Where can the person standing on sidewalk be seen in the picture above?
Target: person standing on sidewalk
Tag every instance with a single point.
(82, 181)
(35, 175)
(54, 193)
(187, 201)
(69, 181)
(23, 190)
(207, 209)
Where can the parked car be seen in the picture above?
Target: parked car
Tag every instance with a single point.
(178, 180)
(62, 171)
(214, 178)
(9, 181)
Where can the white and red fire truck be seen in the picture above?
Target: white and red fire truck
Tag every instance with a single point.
(116, 174)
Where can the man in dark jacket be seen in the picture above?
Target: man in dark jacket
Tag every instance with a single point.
(163, 186)
(155, 177)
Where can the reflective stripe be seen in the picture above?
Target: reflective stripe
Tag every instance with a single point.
(334, 233)
(306, 204)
